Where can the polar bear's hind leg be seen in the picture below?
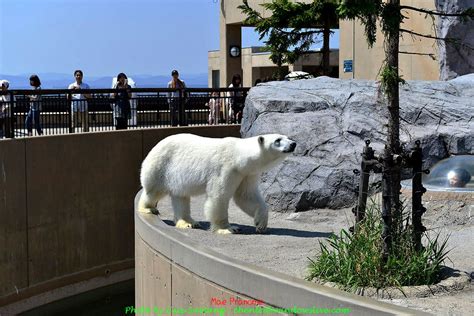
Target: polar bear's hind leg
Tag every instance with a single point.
(182, 213)
(148, 201)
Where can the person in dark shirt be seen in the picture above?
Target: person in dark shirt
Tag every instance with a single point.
(122, 110)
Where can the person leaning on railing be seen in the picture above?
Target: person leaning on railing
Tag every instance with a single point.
(173, 97)
(121, 105)
(79, 107)
(35, 108)
(235, 100)
(6, 107)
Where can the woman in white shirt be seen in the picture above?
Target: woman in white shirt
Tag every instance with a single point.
(6, 107)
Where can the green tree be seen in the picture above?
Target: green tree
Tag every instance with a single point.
(293, 27)
(390, 15)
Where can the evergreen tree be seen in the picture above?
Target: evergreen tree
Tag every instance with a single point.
(293, 27)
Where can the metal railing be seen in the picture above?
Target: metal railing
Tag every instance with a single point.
(52, 112)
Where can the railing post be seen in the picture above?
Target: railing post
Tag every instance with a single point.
(69, 112)
(181, 109)
(369, 163)
(12, 121)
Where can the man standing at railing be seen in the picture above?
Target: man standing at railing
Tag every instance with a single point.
(79, 108)
(173, 97)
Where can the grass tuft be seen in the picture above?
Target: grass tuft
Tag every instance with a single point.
(355, 260)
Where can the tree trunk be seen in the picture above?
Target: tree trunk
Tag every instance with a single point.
(326, 49)
(391, 207)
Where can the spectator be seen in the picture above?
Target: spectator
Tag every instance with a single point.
(173, 97)
(122, 109)
(6, 107)
(235, 100)
(258, 81)
(79, 107)
(214, 105)
(35, 108)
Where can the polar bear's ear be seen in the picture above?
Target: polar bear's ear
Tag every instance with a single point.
(261, 140)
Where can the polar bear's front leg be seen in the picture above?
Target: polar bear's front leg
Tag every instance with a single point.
(249, 199)
(182, 212)
(216, 210)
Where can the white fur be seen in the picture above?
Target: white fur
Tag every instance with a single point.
(185, 165)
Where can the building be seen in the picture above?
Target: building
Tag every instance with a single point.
(366, 62)
(253, 63)
(353, 59)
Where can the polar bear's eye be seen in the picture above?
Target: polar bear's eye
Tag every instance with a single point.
(277, 142)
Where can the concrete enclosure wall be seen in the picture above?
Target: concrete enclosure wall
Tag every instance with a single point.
(66, 205)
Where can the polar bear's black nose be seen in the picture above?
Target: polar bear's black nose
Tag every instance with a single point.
(292, 146)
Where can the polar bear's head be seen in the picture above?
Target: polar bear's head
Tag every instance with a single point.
(260, 153)
(277, 144)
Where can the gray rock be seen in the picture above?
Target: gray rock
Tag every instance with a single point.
(330, 119)
(455, 59)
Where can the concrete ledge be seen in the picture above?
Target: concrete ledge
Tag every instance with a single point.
(161, 250)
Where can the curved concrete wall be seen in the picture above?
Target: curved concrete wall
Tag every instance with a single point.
(66, 207)
(172, 271)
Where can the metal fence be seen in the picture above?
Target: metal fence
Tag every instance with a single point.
(51, 112)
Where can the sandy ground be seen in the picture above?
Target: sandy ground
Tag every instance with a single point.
(292, 237)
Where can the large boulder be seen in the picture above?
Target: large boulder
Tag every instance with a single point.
(330, 119)
(455, 58)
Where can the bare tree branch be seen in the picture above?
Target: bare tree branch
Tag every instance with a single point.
(423, 54)
(433, 12)
(299, 33)
(443, 39)
(422, 35)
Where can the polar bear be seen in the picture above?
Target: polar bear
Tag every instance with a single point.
(185, 165)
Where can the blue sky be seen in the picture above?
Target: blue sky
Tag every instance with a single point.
(104, 37)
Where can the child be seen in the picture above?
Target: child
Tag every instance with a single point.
(214, 108)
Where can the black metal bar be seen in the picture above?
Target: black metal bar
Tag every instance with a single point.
(108, 91)
(12, 117)
(69, 112)
(365, 165)
(181, 109)
(417, 193)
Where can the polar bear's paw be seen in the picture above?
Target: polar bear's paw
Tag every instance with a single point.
(151, 210)
(228, 230)
(181, 223)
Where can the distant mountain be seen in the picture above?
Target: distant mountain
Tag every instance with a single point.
(61, 81)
